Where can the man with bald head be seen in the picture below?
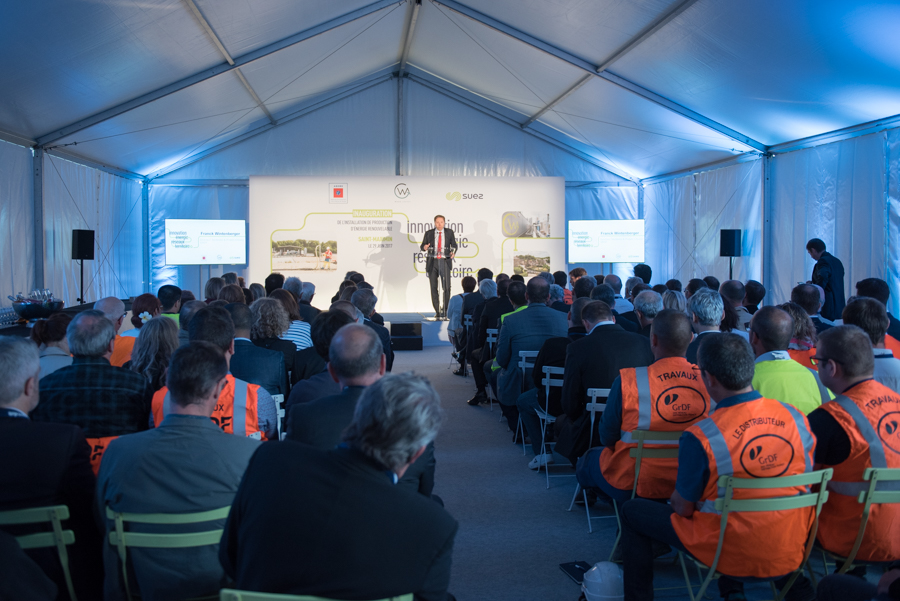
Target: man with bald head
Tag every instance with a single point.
(622, 305)
(114, 310)
(733, 292)
(776, 375)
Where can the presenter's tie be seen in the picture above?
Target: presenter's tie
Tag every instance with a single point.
(440, 245)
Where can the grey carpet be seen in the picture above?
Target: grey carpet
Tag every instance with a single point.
(513, 532)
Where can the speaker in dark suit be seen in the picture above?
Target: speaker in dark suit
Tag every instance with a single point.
(594, 362)
(439, 244)
(345, 530)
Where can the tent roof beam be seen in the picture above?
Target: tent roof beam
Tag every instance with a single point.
(606, 75)
(410, 32)
(202, 76)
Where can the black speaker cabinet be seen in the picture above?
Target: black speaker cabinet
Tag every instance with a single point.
(730, 243)
(83, 245)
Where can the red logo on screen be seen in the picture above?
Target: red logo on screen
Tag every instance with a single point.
(338, 192)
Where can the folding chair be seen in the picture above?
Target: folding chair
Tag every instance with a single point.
(122, 539)
(874, 493)
(639, 454)
(549, 382)
(728, 505)
(227, 594)
(526, 362)
(593, 407)
(59, 538)
(491, 341)
(279, 410)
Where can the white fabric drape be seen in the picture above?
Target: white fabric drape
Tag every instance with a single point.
(16, 222)
(79, 197)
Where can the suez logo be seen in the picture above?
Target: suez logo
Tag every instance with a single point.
(456, 196)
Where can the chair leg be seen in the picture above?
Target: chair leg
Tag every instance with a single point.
(575, 496)
(619, 532)
(521, 429)
(587, 511)
(687, 577)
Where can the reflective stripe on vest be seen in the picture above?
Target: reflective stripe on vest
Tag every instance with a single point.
(239, 408)
(876, 451)
(645, 403)
(805, 436)
(823, 392)
(724, 465)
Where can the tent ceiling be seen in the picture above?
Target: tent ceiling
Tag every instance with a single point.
(774, 72)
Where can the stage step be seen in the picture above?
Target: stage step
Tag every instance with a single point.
(407, 336)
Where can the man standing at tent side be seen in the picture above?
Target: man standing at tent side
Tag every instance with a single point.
(829, 274)
(440, 245)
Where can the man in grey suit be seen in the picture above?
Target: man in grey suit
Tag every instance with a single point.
(184, 465)
(524, 330)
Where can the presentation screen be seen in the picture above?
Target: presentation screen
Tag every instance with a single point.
(206, 242)
(606, 241)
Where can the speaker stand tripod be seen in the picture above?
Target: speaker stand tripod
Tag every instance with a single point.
(730, 268)
(81, 299)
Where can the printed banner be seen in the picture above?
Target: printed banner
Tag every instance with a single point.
(318, 228)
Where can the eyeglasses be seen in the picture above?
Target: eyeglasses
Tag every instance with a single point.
(815, 360)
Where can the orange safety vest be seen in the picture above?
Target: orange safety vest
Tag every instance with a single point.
(98, 448)
(762, 438)
(803, 357)
(870, 415)
(892, 344)
(122, 350)
(236, 411)
(668, 396)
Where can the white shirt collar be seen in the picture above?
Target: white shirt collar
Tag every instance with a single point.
(16, 412)
(773, 356)
(602, 323)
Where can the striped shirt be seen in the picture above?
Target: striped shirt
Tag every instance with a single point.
(299, 334)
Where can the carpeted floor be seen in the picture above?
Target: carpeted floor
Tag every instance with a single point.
(513, 531)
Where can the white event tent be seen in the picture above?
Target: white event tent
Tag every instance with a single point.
(778, 118)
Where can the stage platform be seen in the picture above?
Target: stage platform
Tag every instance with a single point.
(434, 333)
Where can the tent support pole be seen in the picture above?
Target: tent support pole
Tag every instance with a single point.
(38, 208)
(145, 233)
(399, 125)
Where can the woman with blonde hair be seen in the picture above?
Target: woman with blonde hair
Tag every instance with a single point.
(270, 322)
(153, 351)
(674, 299)
(299, 331)
(213, 288)
(803, 340)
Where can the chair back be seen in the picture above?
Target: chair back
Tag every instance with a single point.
(641, 452)
(59, 538)
(467, 320)
(492, 335)
(526, 362)
(279, 407)
(227, 594)
(873, 494)
(593, 407)
(122, 539)
(728, 504)
(549, 381)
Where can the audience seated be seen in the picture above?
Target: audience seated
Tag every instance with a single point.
(731, 321)
(46, 464)
(647, 305)
(184, 465)
(644, 272)
(667, 396)
(231, 278)
(188, 310)
(674, 285)
(713, 283)
(754, 293)
(213, 288)
(674, 299)
(557, 294)
(574, 275)
(871, 317)
(622, 305)
(733, 293)
(273, 281)
(809, 297)
(50, 336)
(762, 544)
(103, 400)
(170, 300)
(307, 311)
(243, 409)
(630, 287)
(299, 331)
(853, 434)
(583, 290)
(776, 375)
(637, 286)
(594, 362)
(705, 310)
(803, 339)
(251, 363)
(456, 331)
(232, 293)
(604, 292)
(561, 279)
(268, 321)
(517, 278)
(844, 587)
(114, 310)
(693, 286)
(552, 354)
(660, 289)
(153, 350)
(294, 286)
(341, 287)
(347, 292)
(337, 513)
(258, 291)
(143, 309)
(525, 330)
(489, 319)
(364, 301)
(880, 291)
(187, 296)
(470, 307)
(320, 384)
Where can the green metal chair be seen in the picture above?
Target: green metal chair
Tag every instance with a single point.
(639, 453)
(869, 495)
(227, 594)
(59, 538)
(122, 539)
(727, 505)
